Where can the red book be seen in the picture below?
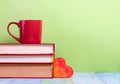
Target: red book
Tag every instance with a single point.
(26, 70)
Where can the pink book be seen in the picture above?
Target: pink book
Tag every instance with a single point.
(27, 48)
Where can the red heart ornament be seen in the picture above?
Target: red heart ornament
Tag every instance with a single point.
(61, 70)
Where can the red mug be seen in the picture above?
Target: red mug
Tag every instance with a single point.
(30, 31)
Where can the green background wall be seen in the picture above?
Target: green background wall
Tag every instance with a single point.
(86, 32)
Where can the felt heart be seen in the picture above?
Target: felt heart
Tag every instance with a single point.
(61, 70)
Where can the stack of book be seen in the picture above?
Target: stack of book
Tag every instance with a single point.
(27, 60)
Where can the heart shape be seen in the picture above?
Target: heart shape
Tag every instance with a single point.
(61, 70)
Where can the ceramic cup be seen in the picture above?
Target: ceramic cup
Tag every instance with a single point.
(30, 31)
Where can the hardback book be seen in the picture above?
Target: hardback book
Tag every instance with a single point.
(26, 70)
(27, 48)
(26, 58)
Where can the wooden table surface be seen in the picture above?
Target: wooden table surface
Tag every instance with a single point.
(77, 78)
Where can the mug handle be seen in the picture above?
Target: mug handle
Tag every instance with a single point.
(8, 29)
